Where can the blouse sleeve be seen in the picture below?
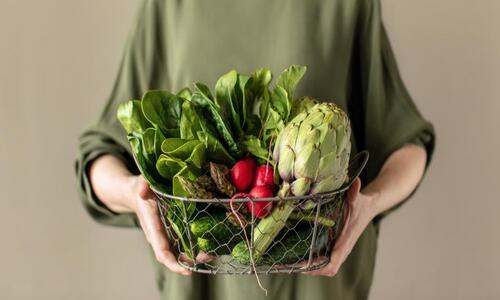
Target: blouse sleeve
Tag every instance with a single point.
(384, 115)
(141, 68)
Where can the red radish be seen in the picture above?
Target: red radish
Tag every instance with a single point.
(264, 176)
(241, 174)
(262, 208)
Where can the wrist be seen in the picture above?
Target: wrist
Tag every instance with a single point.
(373, 196)
(130, 192)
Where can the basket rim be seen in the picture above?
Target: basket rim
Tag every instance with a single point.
(356, 166)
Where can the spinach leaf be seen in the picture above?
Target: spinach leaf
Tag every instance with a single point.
(131, 117)
(242, 101)
(204, 90)
(182, 151)
(197, 157)
(190, 152)
(171, 144)
(229, 105)
(168, 166)
(163, 109)
(214, 115)
(145, 164)
(158, 141)
(215, 151)
(192, 121)
(184, 93)
(253, 125)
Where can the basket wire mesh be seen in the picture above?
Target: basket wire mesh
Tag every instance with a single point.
(303, 244)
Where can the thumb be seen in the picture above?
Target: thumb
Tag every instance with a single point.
(353, 192)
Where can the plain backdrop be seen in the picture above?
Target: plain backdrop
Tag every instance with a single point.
(58, 60)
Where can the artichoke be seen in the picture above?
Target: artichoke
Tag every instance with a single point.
(313, 150)
(312, 153)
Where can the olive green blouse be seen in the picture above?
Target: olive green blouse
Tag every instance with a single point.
(349, 60)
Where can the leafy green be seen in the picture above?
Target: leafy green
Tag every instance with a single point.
(184, 93)
(169, 166)
(216, 152)
(276, 106)
(183, 151)
(193, 120)
(179, 153)
(242, 100)
(158, 141)
(198, 156)
(163, 109)
(214, 115)
(255, 146)
(280, 102)
(145, 160)
(131, 117)
(289, 78)
(225, 98)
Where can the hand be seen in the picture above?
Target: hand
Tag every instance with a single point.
(360, 211)
(149, 217)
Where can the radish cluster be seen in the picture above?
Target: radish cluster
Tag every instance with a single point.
(254, 182)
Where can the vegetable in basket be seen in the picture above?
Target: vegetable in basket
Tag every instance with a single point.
(313, 155)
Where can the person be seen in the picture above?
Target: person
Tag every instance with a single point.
(349, 60)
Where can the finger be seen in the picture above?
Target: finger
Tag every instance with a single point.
(155, 233)
(353, 191)
(315, 261)
(203, 257)
(168, 259)
(144, 190)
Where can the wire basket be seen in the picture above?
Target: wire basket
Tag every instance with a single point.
(206, 232)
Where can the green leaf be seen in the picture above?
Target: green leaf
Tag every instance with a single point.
(144, 164)
(131, 117)
(280, 102)
(158, 140)
(254, 146)
(177, 186)
(197, 157)
(184, 151)
(227, 101)
(184, 93)
(168, 166)
(204, 90)
(148, 144)
(272, 126)
(214, 115)
(192, 121)
(163, 109)
(253, 125)
(289, 79)
(215, 151)
(241, 99)
(171, 144)
(259, 83)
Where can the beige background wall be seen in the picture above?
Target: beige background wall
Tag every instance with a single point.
(58, 59)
